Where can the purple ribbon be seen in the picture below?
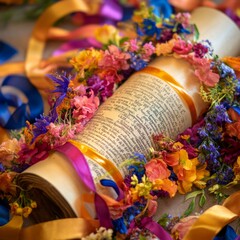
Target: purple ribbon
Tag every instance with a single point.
(152, 226)
(77, 44)
(111, 9)
(80, 164)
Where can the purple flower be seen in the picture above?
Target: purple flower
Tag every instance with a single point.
(2, 168)
(166, 35)
(225, 175)
(95, 83)
(200, 50)
(61, 88)
(40, 126)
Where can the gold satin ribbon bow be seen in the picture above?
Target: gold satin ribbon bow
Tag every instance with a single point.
(210, 223)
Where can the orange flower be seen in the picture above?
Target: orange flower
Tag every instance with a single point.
(186, 172)
(165, 48)
(172, 159)
(170, 187)
(233, 129)
(236, 169)
(233, 114)
(157, 169)
(6, 184)
(184, 187)
(233, 62)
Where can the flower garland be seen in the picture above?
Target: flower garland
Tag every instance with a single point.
(205, 156)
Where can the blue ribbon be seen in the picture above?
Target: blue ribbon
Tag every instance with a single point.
(23, 111)
(6, 52)
(4, 212)
(161, 8)
(227, 233)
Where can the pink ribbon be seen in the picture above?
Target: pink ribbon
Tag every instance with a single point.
(80, 164)
(152, 226)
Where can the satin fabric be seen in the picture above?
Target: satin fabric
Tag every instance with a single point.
(210, 223)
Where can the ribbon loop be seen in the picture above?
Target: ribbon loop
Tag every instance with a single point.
(18, 118)
(210, 223)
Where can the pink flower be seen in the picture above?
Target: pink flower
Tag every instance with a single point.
(152, 207)
(156, 169)
(132, 45)
(206, 75)
(181, 228)
(148, 50)
(203, 70)
(182, 47)
(114, 58)
(183, 18)
(84, 107)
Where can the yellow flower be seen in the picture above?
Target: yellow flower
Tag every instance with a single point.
(141, 14)
(184, 187)
(201, 173)
(142, 189)
(86, 60)
(186, 172)
(106, 34)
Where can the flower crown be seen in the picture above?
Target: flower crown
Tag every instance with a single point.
(205, 157)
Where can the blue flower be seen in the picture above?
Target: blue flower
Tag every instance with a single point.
(130, 213)
(137, 63)
(150, 28)
(119, 225)
(226, 71)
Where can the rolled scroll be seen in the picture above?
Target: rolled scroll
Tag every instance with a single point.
(162, 98)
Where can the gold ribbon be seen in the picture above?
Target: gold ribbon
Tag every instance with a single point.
(101, 160)
(11, 230)
(68, 228)
(34, 67)
(39, 36)
(210, 223)
(3, 135)
(176, 86)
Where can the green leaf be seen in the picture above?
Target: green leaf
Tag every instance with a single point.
(193, 194)
(196, 37)
(202, 200)
(190, 208)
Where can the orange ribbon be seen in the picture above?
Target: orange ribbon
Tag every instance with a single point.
(176, 86)
(101, 160)
(210, 223)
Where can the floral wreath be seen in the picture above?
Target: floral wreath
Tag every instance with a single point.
(205, 157)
